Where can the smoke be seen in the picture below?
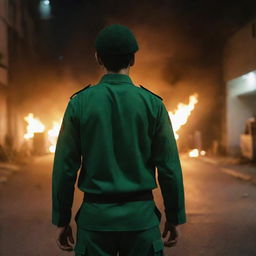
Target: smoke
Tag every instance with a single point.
(180, 53)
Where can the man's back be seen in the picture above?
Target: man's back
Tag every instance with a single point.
(117, 122)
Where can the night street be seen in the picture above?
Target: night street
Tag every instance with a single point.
(221, 213)
(123, 87)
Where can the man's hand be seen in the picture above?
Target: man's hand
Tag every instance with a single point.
(65, 237)
(172, 233)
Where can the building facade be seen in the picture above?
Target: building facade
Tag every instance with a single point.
(3, 73)
(240, 78)
(17, 51)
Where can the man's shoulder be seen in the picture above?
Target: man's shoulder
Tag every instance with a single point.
(150, 92)
(76, 93)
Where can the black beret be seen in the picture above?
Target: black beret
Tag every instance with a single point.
(116, 39)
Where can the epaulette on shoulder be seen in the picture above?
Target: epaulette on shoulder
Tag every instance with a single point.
(86, 87)
(150, 92)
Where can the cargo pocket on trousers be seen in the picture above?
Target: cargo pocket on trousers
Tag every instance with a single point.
(80, 250)
(158, 247)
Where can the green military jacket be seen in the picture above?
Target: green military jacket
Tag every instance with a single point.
(118, 134)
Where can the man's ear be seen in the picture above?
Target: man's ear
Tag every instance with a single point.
(132, 61)
(99, 61)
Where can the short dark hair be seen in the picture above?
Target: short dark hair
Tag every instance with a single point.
(116, 62)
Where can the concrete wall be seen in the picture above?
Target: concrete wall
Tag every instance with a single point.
(3, 44)
(3, 70)
(17, 42)
(240, 52)
(3, 115)
(21, 52)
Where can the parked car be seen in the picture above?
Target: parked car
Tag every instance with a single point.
(248, 139)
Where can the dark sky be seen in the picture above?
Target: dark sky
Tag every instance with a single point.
(181, 45)
(204, 24)
(183, 37)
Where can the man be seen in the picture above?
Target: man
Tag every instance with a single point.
(119, 133)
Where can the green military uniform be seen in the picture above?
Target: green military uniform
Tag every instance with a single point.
(118, 133)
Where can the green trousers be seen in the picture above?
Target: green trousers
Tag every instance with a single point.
(122, 243)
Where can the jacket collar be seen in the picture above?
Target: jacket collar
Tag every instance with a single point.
(116, 79)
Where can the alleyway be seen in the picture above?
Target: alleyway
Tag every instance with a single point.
(221, 213)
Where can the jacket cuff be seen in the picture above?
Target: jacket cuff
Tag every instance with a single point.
(175, 218)
(60, 220)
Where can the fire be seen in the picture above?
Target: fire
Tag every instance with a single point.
(202, 153)
(52, 148)
(196, 153)
(53, 135)
(180, 116)
(34, 125)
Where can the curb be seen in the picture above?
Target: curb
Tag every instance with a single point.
(209, 160)
(231, 172)
(237, 174)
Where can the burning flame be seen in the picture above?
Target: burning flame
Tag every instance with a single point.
(196, 153)
(34, 125)
(53, 135)
(202, 153)
(180, 116)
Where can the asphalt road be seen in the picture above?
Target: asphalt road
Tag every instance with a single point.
(221, 213)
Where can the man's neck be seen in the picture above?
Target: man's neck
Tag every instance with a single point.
(125, 71)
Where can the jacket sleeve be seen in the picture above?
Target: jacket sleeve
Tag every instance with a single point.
(67, 162)
(166, 159)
